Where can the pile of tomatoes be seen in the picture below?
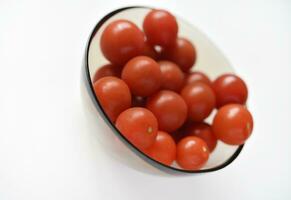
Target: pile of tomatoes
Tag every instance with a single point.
(148, 91)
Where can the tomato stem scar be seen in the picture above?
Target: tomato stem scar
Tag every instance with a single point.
(150, 130)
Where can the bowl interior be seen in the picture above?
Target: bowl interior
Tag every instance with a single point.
(209, 60)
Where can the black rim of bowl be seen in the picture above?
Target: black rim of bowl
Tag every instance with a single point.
(89, 86)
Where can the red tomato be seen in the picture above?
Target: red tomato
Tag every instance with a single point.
(160, 27)
(169, 108)
(172, 76)
(200, 100)
(113, 95)
(192, 153)
(121, 40)
(106, 70)
(163, 149)
(139, 126)
(197, 76)
(143, 76)
(182, 53)
(229, 88)
(150, 51)
(233, 124)
(203, 131)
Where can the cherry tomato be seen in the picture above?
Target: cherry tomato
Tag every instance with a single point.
(233, 124)
(150, 51)
(163, 149)
(197, 76)
(121, 40)
(169, 108)
(229, 88)
(113, 95)
(143, 76)
(203, 131)
(139, 126)
(172, 76)
(160, 27)
(200, 100)
(192, 153)
(107, 70)
(182, 53)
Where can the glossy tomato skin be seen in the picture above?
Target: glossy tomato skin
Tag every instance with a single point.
(233, 124)
(197, 76)
(203, 131)
(113, 95)
(143, 76)
(183, 53)
(172, 76)
(192, 153)
(107, 70)
(150, 51)
(164, 149)
(121, 40)
(160, 28)
(139, 126)
(229, 88)
(169, 108)
(200, 100)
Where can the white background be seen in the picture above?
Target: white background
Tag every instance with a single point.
(44, 153)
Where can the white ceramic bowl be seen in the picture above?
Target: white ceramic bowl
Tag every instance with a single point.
(209, 60)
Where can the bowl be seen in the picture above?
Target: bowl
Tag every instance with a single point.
(209, 59)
